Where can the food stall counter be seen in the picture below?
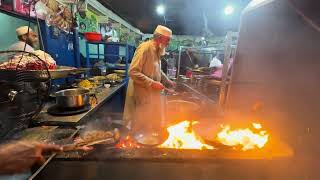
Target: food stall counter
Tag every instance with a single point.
(44, 118)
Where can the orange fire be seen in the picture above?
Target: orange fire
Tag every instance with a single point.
(182, 136)
(128, 142)
(246, 138)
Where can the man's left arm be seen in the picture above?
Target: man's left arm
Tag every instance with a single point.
(166, 80)
(164, 77)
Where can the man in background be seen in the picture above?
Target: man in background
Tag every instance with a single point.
(188, 61)
(216, 62)
(27, 40)
(111, 34)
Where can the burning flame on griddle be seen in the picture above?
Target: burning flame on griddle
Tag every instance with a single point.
(128, 142)
(182, 136)
(246, 138)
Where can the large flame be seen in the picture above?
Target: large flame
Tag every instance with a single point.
(182, 136)
(246, 138)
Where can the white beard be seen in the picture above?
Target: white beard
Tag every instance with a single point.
(162, 50)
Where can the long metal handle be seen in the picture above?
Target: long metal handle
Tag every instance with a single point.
(42, 167)
(179, 62)
(52, 156)
(75, 147)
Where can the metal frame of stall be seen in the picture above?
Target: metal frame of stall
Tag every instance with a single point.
(229, 49)
(106, 44)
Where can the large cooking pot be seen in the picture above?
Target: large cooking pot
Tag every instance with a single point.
(72, 98)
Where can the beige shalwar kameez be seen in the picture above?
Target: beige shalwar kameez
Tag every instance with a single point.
(142, 107)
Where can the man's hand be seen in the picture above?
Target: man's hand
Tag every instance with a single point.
(21, 156)
(157, 85)
(172, 83)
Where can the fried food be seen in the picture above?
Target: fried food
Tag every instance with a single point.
(86, 84)
(114, 77)
(99, 78)
(97, 135)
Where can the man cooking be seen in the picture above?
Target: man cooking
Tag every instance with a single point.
(143, 109)
(27, 39)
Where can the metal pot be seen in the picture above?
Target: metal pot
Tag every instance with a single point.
(73, 98)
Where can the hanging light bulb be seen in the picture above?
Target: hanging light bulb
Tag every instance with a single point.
(161, 9)
(228, 10)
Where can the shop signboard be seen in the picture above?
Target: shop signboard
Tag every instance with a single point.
(88, 22)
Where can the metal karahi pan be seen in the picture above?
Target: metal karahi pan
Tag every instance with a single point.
(207, 130)
(150, 139)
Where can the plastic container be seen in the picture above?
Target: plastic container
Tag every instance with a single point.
(189, 74)
(93, 36)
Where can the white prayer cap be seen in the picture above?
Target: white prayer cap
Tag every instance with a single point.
(163, 31)
(23, 30)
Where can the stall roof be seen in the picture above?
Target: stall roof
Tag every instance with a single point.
(183, 16)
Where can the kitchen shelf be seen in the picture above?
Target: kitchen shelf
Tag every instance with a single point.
(108, 56)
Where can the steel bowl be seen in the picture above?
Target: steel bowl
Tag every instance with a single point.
(151, 139)
(72, 98)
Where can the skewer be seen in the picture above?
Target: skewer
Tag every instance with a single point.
(42, 166)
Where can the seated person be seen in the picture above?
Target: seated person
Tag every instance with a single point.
(214, 65)
(27, 39)
(216, 62)
(217, 74)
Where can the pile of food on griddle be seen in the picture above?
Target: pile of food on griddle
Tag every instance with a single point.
(28, 61)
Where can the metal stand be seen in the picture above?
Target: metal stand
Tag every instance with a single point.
(229, 53)
(98, 54)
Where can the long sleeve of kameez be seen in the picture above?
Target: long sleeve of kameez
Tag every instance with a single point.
(135, 71)
(164, 77)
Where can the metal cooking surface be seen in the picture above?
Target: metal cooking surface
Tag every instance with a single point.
(278, 151)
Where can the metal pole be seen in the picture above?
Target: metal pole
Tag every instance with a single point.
(87, 55)
(127, 62)
(98, 46)
(230, 76)
(222, 94)
(179, 61)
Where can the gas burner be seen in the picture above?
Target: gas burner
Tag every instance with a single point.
(58, 111)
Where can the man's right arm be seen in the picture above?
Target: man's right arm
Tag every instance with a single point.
(135, 71)
(18, 157)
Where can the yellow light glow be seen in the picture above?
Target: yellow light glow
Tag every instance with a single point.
(182, 136)
(245, 138)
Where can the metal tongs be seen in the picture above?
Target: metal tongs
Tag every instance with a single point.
(77, 146)
(171, 91)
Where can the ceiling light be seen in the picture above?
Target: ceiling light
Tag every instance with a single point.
(161, 9)
(228, 10)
